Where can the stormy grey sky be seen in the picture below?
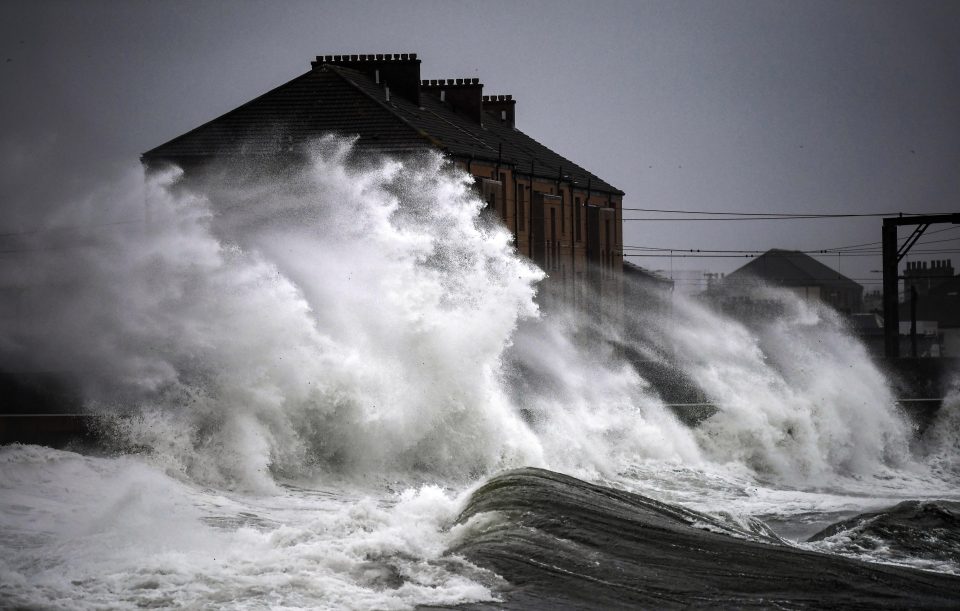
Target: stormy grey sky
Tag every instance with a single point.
(757, 106)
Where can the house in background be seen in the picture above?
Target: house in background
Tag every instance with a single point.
(936, 310)
(564, 218)
(800, 273)
(922, 277)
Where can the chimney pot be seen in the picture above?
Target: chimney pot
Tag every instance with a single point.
(385, 69)
(458, 93)
(502, 107)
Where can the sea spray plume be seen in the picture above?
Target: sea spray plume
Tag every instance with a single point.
(593, 413)
(799, 399)
(941, 441)
(415, 299)
(359, 327)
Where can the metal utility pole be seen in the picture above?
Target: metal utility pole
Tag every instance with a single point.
(891, 257)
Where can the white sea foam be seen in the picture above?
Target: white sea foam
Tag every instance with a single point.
(799, 400)
(941, 441)
(94, 532)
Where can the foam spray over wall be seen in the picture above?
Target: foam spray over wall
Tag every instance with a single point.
(799, 399)
(366, 318)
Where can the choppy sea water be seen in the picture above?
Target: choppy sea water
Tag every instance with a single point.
(306, 382)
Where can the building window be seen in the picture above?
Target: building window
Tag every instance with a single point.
(553, 237)
(521, 216)
(576, 219)
(503, 196)
(563, 211)
(607, 246)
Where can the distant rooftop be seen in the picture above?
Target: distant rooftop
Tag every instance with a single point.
(791, 268)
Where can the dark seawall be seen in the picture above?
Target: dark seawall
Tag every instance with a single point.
(42, 408)
(562, 543)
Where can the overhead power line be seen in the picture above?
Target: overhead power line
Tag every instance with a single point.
(806, 252)
(904, 239)
(807, 217)
(780, 214)
(864, 248)
(693, 254)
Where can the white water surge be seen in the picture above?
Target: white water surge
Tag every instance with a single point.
(313, 372)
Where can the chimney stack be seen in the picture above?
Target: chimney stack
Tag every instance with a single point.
(399, 71)
(502, 107)
(464, 95)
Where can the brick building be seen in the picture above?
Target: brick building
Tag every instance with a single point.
(564, 218)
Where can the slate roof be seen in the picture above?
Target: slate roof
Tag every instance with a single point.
(333, 99)
(792, 268)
